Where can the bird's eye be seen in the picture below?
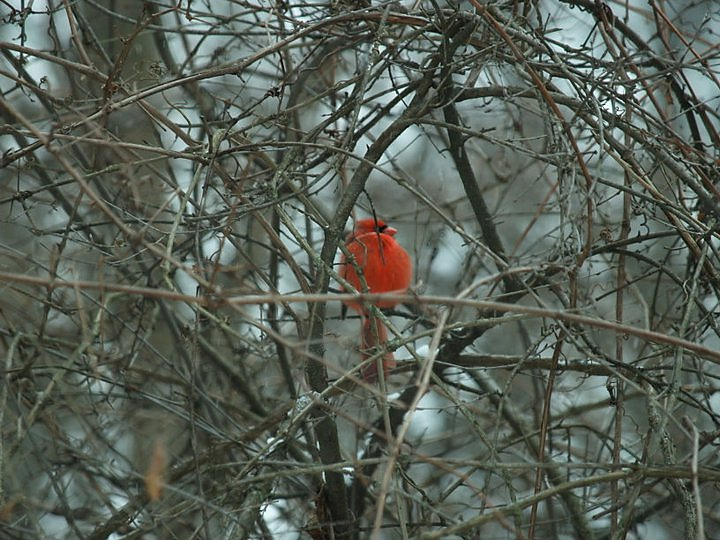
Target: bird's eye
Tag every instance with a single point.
(381, 228)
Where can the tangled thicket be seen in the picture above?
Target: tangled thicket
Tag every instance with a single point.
(176, 181)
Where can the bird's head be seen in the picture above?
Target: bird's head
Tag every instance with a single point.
(368, 225)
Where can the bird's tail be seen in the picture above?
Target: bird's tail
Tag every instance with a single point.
(373, 340)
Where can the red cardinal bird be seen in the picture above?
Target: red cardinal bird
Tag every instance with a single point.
(385, 267)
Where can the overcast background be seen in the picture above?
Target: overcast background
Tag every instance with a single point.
(177, 177)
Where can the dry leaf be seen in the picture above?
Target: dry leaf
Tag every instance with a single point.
(155, 475)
